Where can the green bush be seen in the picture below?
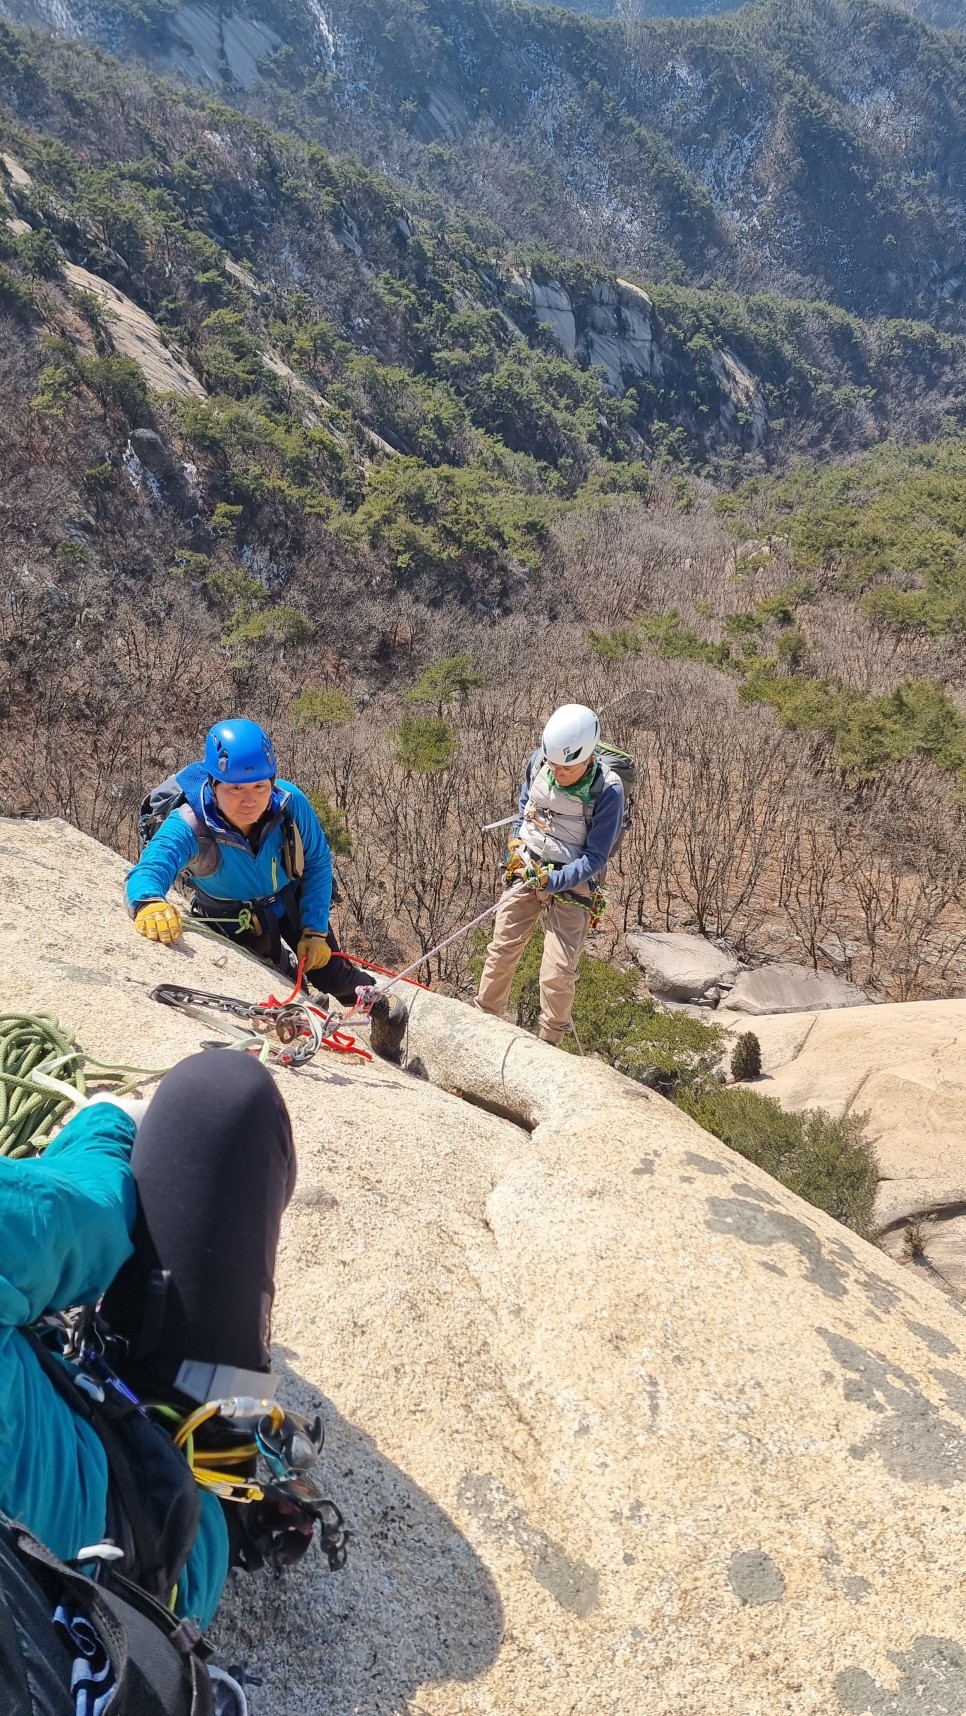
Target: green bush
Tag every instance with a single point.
(320, 706)
(335, 825)
(425, 745)
(99, 478)
(58, 386)
(449, 680)
(894, 512)
(116, 381)
(430, 519)
(229, 354)
(282, 626)
(15, 297)
(663, 1050)
(827, 1162)
(40, 254)
(746, 1058)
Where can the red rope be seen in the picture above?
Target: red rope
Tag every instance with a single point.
(369, 965)
(271, 1002)
(339, 1042)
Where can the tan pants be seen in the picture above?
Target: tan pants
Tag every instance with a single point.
(565, 933)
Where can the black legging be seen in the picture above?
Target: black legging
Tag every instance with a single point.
(339, 978)
(215, 1167)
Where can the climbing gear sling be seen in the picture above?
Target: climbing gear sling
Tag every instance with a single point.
(300, 1028)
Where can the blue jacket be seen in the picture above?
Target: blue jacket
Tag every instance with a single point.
(602, 836)
(66, 1220)
(242, 874)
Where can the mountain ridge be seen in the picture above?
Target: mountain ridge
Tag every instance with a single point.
(792, 153)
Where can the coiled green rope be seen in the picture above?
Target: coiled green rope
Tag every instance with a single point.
(42, 1078)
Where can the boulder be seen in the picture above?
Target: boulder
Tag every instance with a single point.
(154, 455)
(619, 1424)
(681, 967)
(902, 1064)
(792, 989)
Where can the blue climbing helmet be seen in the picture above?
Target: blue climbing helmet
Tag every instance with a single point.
(238, 751)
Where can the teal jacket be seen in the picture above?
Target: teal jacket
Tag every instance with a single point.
(66, 1220)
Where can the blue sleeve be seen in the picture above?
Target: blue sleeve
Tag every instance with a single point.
(65, 1223)
(602, 837)
(163, 858)
(315, 898)
(66, 1217)
(524, 792)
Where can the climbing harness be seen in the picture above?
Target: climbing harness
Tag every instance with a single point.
(43, 1078)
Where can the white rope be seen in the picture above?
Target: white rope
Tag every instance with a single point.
(424, 958)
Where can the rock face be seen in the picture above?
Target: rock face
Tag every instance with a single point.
(136, 335)
(614, 328)
(681, 967)
(903, 1066)
(792, 989)
(619, 1424)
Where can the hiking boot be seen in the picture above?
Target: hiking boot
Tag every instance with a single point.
(390, 1017)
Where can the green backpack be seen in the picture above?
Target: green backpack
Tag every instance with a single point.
(624, 766)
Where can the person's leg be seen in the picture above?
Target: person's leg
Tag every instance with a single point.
(515, 921)
(340, 978)
(214, 1165)
(566, 932)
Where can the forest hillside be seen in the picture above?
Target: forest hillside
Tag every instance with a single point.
(815, 150)
(329, 438)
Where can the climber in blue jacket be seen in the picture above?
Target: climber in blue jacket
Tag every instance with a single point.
(253, 854)
(189, 1196)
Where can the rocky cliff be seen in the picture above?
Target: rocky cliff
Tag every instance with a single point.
(617, 1422)
(817, 152)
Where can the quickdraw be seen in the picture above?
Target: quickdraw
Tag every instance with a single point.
(301, 1030)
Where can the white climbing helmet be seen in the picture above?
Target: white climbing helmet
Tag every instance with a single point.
(571, 735)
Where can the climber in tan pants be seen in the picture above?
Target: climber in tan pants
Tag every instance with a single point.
(571, 816)
(565, 931)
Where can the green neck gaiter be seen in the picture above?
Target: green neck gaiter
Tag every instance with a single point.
(580, 789)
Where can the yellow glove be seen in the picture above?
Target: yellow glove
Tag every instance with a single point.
(159, 922)
(314, 949)
(515, 860)
(536, 875)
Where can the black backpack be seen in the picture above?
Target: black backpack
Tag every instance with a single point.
(624, 766)
(155, 809)
(156, 1662)
(152, 1517)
